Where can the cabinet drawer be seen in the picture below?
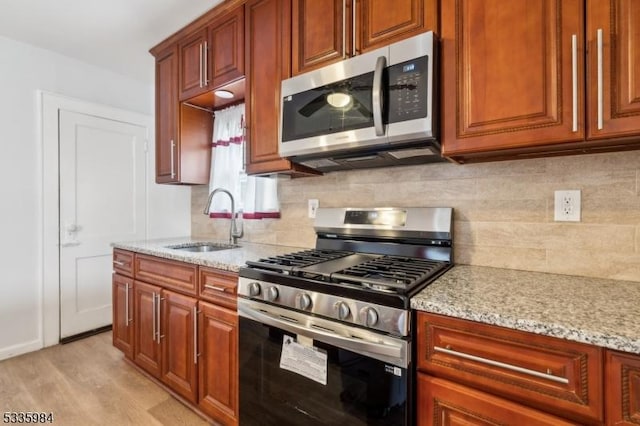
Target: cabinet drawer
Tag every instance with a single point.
(171, 274)
(555, 375)
(219, 287)
(123, 262)
(441, 403)
(623, 388)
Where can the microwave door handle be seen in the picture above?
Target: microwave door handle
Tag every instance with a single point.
(377, 95)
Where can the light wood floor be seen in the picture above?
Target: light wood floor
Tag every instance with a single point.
(87, 382)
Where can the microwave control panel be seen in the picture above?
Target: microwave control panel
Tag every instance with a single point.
(407, 90)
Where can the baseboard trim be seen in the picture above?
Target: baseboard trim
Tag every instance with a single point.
(85, 334)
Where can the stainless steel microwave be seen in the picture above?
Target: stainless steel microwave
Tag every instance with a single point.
(375, 109)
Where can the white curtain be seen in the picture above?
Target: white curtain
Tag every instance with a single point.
(256, 197)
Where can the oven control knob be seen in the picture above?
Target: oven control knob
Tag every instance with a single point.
(272, 294)
(343, 310)
(369, 316)
(254, 289)
(305, 301)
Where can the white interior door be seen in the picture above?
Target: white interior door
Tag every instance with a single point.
(102, 199)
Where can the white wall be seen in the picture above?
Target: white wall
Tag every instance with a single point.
(24, 70)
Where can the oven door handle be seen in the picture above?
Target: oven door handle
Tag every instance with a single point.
(377, 350)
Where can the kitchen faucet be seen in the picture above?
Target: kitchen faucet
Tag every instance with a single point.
(234, 234)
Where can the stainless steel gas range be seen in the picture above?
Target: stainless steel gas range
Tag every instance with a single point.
(326, 334)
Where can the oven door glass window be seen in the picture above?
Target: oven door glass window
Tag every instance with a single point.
(341, 106)
(359, 390)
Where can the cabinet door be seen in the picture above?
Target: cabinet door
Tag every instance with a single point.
(443, 403)
(613, 88)
(226, 56)
(218, 337)
(192, 71)
(145, 324)
(555, 375)
(509, 75)
(123, 314)
(317, 42)
(167, 153)
(177, 334)
(267, 60)
(380, 23)
(622, 389)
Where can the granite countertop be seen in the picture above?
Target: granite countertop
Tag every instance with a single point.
(597, 311)
(228, 259)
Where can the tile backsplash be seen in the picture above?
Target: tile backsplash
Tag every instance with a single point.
(503, 211)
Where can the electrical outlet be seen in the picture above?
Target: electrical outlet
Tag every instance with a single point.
(567, 206)
(313, 206)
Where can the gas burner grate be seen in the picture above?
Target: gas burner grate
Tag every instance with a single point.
(390, 273)
(301, 259)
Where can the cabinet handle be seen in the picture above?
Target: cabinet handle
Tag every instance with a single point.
(344, 29)
(353, 28)
(201, 54)
(206, 64)
(574, 80)
(126, 304)
(153, 311)
(509, 367)
(215, 287)
(195, 334)
(173, 167)
(376, 95)
(160, 335)
(118, 263)
(600, 79)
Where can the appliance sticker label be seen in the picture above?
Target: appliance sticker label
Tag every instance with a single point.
(309, 362)
(392, 369)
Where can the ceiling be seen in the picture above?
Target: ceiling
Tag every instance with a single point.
(113, 34)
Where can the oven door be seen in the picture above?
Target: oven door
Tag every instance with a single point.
(334, 375)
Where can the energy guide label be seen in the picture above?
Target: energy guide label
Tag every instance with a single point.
(307, 361)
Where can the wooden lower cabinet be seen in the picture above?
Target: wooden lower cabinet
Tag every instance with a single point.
(165, 336)
(122, 329)
(177, 337)
(147, 347)
(186, 335)
(548, 374)
(218, 367)
(444, 403)
(622, 392)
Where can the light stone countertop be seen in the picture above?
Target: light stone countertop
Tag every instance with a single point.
(597, 311)
(228, 259)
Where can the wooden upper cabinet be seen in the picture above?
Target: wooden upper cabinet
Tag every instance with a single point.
(193, 74)
(226, 48)
(183, 133)
(615, 112)
(317, 42)
(167, 114)
(622, 389)
(509, 76)
(379, 23)
(351, 27)
(267, 47)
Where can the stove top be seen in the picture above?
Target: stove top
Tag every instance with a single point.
(385, 273)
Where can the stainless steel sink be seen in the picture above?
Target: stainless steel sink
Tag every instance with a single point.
(203, 247)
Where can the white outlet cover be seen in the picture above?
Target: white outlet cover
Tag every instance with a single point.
(567, 206)
(313, 206)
